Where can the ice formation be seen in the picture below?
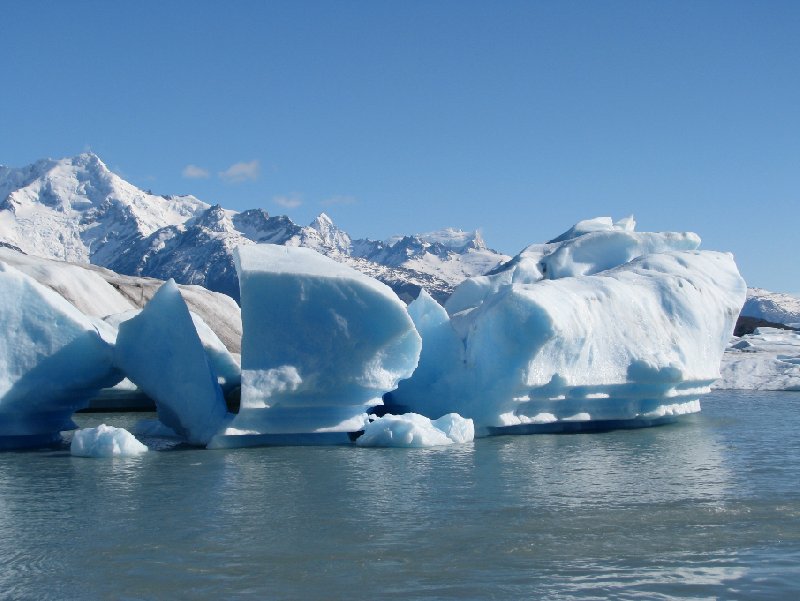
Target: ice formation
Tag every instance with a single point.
(767, 359)
(322, 343)
(222, 361)
(412, 430)
(588, 247)
(633, 331)
(105, 441)
(52, 361)
(160, 351)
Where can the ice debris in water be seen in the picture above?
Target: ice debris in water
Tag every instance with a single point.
(417, 431)
(105, 441)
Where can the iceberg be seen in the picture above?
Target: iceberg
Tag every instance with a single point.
(588, 247)
(412, 430)
(105, 441)
(322, 343)
(222, 361)
(631, 333)
(53, 361)
(160, 351)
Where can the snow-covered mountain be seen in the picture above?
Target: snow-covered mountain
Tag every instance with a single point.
(774, 307)
(76, 209)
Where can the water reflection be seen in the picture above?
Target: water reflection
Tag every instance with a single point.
(700, 509)
(680, 461)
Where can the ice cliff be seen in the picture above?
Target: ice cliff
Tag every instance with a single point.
(321, 344)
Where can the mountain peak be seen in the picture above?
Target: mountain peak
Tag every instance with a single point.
(322, 221)
(331, 236)
(88, 159)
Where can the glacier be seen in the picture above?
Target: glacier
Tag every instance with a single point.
(322, 343)
(53, 360)
(601, 325)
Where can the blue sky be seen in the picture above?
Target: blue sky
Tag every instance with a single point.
(518, 118)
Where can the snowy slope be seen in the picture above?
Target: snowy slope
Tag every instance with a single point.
(77, 210)
(772, 306)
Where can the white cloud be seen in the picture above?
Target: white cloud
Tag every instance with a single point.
(288, 202)
(339, 200)
(195, 172)
(241, 172)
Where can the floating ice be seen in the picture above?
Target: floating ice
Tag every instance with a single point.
(160, 351)
(589, 247)
(105, 441)
(414, 430)
(322, 343)
(640, 341)
(767, 359)
(52, 361)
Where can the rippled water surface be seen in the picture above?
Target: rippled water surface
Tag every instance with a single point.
(709, 508)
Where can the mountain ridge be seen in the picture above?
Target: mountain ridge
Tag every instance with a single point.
(76, 209)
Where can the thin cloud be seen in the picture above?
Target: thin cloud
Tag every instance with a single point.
(288, 202)
(241, 172)
(339, 200)
(195, 172)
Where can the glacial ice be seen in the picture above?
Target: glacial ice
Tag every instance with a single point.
(600, 325)
(589, 247)
(637, 335)
(767, 359)
(52, 361)
(322, 343)
(105, 441)
(160, 351)
(412, 430)
(224, 364)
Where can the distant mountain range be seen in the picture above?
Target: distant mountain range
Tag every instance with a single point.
(77, 210)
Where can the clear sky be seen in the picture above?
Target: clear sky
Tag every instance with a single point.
(518, 118)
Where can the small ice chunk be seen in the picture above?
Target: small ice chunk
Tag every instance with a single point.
(105, 441)
(412, 430)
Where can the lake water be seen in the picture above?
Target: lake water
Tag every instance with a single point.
(708, 508)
